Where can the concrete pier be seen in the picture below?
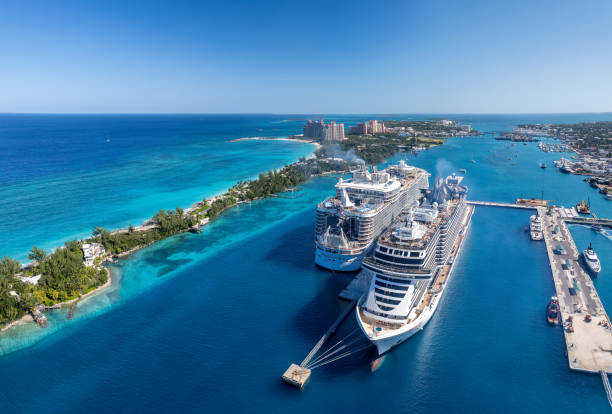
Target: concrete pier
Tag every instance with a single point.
(357, 287)
(506, 205)
(587, 327)
(298, 375)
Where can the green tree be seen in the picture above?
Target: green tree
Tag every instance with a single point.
(37, 254)
(9, 267)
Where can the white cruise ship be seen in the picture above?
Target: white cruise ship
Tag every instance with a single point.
(535, 227)
(411, 265)
(349, 223)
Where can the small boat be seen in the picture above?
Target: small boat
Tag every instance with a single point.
(542, 165)
(584, 208)
(462, 170)
(552, 311)
(591, 260)
(609, 196)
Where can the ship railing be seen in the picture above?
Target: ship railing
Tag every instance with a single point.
(398, 268)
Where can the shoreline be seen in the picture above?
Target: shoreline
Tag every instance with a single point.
(302, 140)
(27, 318)
(148, 225)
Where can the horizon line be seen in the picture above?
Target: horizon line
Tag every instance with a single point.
(306, 113)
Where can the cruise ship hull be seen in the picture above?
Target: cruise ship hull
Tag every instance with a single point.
(339, 262)
(386, 341)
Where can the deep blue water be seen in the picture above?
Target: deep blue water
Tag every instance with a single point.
(208, 322)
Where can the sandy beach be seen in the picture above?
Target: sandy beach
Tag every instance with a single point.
(303, 140)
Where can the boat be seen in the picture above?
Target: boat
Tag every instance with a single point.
(552, 311)
(542, 165)
(590, 259)
(348, 223)
(583, 207)
(535, 227)
(411, 265)
(564, 166)
(536, 202)
(462, 170)
(609, 196)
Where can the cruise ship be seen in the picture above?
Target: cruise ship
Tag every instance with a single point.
(411, 265)
(535, 227)
(364, 206)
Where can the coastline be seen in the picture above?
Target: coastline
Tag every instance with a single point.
(142, 227)
(148, 224)
(27, 318)
(302, 140)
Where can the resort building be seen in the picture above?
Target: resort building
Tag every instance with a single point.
(322, 131)
(368, 128)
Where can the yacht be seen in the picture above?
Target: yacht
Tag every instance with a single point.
(412, 264)
(535, 227)
(591, 260)
(364, 205)
(564, 166)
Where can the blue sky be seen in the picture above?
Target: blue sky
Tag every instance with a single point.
(306, 57)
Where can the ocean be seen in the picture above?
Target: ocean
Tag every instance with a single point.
(208, 322)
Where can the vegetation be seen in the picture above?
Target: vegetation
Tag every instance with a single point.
(595, 136)
(430, 128)
(167, 223)
(63, 277)
(374, 149)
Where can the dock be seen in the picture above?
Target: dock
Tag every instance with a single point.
(586, 325)
(506, 205)
(298, 375)
(358, 286)
(590, 221)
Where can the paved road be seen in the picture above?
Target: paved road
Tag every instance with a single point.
(585, 297)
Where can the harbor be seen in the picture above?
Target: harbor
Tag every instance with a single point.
(586, 325)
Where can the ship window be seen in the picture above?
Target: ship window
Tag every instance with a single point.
(394, 259)
(386, 300)
(383, 249)
(389, 279)
(385, 308)
(392, 294)
(388, 286)
(414, 254)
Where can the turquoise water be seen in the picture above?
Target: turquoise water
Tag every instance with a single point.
(62, 178)
(208, 322)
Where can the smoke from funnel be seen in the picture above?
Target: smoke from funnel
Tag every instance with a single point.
(335, 151)
(443, 167)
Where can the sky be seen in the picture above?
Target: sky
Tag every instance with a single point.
(407, 56)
